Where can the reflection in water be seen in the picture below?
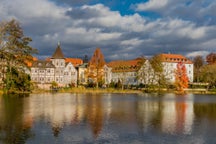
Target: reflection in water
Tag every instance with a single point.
(177, 114)
(94, 113)
(13, 129)
(104, 116)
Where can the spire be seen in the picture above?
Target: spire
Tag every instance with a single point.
(58, 53)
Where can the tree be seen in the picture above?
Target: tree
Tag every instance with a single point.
(198, 63)
(181, 78)
(207, 75)
(15, 51)
(85, 59)
(95, 70)
(211, 58)
(145, 74)
(157, 66)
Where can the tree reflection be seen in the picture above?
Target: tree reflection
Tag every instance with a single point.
(56, 130)
(94, 113)
(14, 128)
(205, 110)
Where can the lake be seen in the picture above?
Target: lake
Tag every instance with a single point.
(108, 118)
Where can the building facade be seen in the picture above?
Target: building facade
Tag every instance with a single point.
(127, 71)
(170, 62)
(55, 69)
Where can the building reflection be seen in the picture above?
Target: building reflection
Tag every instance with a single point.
(148, 113)
(178, 115)
(168, 113)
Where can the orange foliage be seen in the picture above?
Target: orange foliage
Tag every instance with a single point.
(181, 78)
(95, 68)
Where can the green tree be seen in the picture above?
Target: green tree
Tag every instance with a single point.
(159, 77)
(207, 75)
(15, 52)
(198, 63)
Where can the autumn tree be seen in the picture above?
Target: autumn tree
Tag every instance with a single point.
(181, 78)
(211, 58)
(95, 70)
(198, 63)
(15, 52)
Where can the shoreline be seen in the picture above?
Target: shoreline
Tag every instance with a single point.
(112, 90)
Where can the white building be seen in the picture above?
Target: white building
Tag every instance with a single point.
(55, 69)
(129, 72)
(170, 62)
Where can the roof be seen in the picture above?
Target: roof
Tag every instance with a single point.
(74, 61)
(125, 65)
(43, 64)
(174, 58)
(58, 53)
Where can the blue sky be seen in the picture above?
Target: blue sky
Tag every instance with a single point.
(123, 29)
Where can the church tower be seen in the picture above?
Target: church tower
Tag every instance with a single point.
(58, 61)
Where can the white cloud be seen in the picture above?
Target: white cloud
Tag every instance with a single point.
(29, 9)
(132, 42)
(198, 53)
(152, 5)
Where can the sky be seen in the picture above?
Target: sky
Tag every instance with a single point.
(122, 29)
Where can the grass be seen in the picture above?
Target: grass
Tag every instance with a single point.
(113, 90)
(98, 90)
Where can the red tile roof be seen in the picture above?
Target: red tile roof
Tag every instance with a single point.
(174, 58)
(125, 65)
(74, 61)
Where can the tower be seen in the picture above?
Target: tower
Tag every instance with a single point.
(58, 61)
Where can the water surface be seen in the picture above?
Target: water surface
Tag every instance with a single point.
(108, 118)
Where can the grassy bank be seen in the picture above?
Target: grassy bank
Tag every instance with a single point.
(112, 90)
(98, 90)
